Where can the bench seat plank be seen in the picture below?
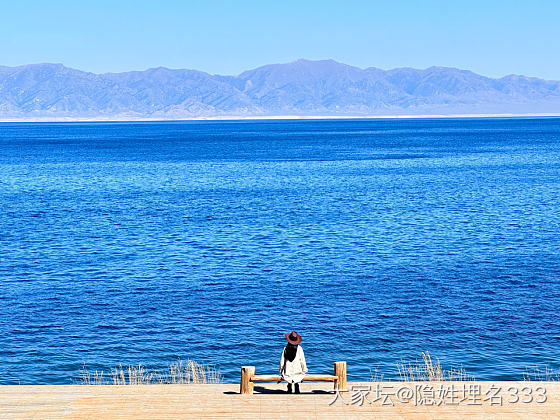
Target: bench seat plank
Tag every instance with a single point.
(320, 378)
(266, 378)
(307, 378)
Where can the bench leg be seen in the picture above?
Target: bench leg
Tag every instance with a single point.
(340, 373)
(246, 384)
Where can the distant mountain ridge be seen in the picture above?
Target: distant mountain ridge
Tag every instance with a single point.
(300, 88)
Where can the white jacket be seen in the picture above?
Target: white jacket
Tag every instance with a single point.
(294, 371)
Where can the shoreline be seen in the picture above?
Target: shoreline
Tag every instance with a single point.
(276, 117)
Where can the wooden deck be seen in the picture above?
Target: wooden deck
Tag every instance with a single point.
(271, 402)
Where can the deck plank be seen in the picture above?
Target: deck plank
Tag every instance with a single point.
(224, 402)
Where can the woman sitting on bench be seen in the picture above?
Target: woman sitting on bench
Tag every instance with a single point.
(292, 364)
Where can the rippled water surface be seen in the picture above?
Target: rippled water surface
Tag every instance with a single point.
(376, 240)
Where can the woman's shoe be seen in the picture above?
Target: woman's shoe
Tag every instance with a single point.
(290, 388)
(297, 388)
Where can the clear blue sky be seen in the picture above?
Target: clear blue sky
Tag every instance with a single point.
(491, 37)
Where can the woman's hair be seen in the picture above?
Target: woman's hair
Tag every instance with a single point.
(290, 352)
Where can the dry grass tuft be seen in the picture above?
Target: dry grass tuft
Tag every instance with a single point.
(189, 372)
(375, 375)
(546, 374)
(95, 378)
(132, 375)
(428, 370)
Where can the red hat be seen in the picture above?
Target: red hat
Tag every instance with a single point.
(293, 338)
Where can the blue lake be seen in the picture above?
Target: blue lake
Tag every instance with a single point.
(374, 239)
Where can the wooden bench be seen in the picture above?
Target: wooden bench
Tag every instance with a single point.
(248, 378)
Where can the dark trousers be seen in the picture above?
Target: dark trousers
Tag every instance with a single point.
(290, 388)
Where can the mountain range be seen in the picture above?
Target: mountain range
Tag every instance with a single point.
(299, 88)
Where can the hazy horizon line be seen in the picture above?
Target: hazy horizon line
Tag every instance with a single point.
(276, 64)
(276, 118)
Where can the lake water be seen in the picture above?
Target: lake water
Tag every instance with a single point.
(376, 240)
